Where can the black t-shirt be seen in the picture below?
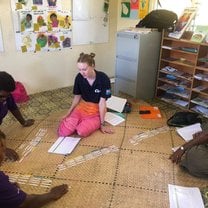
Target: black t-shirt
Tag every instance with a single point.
(100, 88)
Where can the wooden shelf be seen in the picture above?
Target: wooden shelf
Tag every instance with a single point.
(187, 61)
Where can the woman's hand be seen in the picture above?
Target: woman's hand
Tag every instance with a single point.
(105, 129)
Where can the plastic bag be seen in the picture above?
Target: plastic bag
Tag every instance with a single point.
(20, 94)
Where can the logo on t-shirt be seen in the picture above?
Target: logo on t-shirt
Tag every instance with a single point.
(97, 91)
(108, 92)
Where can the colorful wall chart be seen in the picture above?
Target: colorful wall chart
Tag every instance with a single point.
(134, 9)
(41, 25)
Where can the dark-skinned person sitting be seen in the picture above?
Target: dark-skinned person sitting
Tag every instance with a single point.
(195, 152)
(7, 103)
(11, 196)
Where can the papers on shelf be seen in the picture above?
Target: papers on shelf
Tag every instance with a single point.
(200, 109)
(64, 145)
(200, 101)
(183, 197)
(116, 103)
(201, 76)
(187, 132)
(140, 30)
(181, 103)
(113, 118)
(200, 88)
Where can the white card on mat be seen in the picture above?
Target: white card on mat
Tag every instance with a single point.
(64, 145)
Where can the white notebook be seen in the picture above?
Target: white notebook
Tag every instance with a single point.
(187, 132)
(184, 197)
(113, 119)
(116, 103)
(64, 145)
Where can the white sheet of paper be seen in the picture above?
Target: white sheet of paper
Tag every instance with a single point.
(116, 103)
(64, 145)
(187, 132)
(113, 119)
(184, 197)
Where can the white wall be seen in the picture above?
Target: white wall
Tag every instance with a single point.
(50, 70)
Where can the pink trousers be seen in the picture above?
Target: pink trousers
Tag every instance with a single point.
(80, 121)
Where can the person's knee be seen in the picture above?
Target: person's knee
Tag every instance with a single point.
(83, 132)
(87, 128)
(65, 131)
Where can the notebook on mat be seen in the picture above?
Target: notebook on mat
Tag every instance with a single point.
(64, 145)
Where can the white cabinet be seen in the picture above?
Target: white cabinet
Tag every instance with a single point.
(137, 56)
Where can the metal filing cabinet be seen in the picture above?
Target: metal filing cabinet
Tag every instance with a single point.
(137, 56)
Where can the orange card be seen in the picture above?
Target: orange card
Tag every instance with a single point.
(154, 112)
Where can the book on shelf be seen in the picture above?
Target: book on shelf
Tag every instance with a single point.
(200, 109)
(174, 100)
(169, 69)
(199, 34)
(200, 101)
(165, 87)
(176, 72)
(188, 49)
(200, 88)
(183, 22)
(180, 91)
(181, 103)
(201, 76)
(203, 59)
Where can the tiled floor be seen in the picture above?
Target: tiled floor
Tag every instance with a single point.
(136, 176)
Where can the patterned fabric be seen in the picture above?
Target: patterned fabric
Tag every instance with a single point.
(83, 120)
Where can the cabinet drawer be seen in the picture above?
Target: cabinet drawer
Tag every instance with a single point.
(126, 68)
(125, 86)
(127, 47)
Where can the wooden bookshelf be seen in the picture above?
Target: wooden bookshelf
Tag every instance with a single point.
(182, 78)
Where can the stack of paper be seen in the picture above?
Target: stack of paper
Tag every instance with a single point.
(187, 132)
(64, 145)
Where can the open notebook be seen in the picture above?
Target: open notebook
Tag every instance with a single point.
(64, 145)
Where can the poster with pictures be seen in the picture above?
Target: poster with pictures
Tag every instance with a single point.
(183, 22)
(134, 9)
(35, 4)
(41, 25)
